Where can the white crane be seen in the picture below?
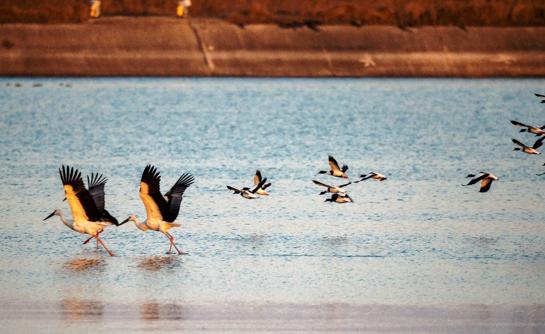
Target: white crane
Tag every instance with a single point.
(87, 206)
(161, 210)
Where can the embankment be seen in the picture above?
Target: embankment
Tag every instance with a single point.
(401, 13)
(153, 46)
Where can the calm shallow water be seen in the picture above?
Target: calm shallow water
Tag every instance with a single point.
(417, 239)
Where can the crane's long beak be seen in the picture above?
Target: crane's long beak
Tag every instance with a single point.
(123, 222)
(51, 215)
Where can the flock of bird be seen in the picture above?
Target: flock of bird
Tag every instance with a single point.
(487, 178)
(89, 215)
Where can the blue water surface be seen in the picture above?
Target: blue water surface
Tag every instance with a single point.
(417, 238)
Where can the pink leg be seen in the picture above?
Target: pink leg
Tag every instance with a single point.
(171, 239)
(103, 245)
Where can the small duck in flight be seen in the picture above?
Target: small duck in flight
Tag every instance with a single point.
(485, 178)
(527, 149)
(530, 128)
(332, 189)
(257, 179)
(334, 169)
(338, 198)
(248, 193)
(372, 175)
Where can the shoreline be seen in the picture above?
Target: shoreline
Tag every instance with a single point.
(167, 47)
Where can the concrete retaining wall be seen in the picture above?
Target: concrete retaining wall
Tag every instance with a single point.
(170, 47)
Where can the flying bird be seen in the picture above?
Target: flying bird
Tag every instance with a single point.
(334, 169)
(257, 180)
(89, 217)
(338, 198)
(529, 128)
(485, 178)
(248, 193)
(332, 189)
(161, 210)
(541, 96)
(372, 175)
(527, 149)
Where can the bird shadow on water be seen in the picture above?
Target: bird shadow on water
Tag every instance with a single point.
(159, 262)
(85, 264)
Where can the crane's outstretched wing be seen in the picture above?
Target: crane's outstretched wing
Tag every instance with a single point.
(150, 194)
(175, 195)
(96, 184)
(81, 203)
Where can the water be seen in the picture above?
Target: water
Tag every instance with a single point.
(418, 238)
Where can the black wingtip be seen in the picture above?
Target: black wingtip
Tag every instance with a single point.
(70, 176)
(150, 173)
(96, 179)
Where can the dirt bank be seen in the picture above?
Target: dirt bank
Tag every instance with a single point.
(168, 47)
(400, 13)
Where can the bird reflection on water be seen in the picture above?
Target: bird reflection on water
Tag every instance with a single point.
(77, 309)
(158, 262)
(156, 311)
(85, 264)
